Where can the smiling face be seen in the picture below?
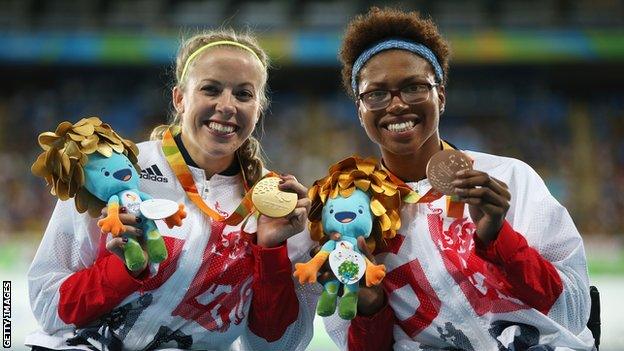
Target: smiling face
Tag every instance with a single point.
(349, 216)
(107, 176)
(219, 102)
(400, 129)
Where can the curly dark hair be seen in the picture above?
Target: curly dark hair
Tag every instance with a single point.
(378, 24)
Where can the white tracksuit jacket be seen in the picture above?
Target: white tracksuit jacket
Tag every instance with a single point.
(199, 298)
(446, 294)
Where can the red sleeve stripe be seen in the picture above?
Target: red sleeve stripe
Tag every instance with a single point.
(274, 305)
(94, 291)
(533, 279)
(372, 333)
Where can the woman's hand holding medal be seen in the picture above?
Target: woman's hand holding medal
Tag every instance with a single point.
(488, 200)
(450, 172)
(283, 205)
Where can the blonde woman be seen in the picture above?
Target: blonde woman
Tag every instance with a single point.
(222, 286)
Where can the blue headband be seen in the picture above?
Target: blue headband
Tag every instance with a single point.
(418, 49)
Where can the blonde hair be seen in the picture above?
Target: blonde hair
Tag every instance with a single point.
(250, 152)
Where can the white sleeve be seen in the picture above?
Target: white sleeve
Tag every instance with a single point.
(548, 228)
(66, 247)
(299, 334)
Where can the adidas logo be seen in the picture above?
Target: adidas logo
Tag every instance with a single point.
(153, 173)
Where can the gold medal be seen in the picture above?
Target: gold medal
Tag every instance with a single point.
(442, 167)
(270, 201)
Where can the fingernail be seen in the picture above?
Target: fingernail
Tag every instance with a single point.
(138, 219)
(122, 209)
(460, 173)
(456, 182)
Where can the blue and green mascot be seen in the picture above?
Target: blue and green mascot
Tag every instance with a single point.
(90, 162)
(356, 199)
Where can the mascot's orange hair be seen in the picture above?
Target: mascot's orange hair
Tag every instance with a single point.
(66, 152)
(364, 174)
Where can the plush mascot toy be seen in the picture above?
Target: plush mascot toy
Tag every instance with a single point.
(355, 199)
(91, 163)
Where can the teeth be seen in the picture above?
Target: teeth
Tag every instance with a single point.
(401, 127)
(221, 128)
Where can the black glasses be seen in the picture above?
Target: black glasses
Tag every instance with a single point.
(410, 94)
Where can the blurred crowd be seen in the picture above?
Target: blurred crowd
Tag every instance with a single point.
(576, 143)
(564, 118)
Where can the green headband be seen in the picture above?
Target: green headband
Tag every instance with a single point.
(221, 42)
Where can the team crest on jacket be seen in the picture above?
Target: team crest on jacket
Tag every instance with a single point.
(484, 284)
(221, 289)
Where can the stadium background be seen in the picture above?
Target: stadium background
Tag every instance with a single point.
(536, 80)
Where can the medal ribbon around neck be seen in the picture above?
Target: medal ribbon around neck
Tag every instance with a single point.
(183, 173)
(454, 208)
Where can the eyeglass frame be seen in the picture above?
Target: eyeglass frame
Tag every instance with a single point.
(397, 92)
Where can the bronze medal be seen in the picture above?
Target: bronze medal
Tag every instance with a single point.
(270, 201)
(442, 167)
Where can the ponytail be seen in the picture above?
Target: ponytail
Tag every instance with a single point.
(252, 163)
(159, 131)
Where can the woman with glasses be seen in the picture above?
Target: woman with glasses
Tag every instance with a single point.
(505, 272)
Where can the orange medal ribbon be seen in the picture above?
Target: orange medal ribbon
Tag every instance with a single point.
(454, 208)
(183, 173)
